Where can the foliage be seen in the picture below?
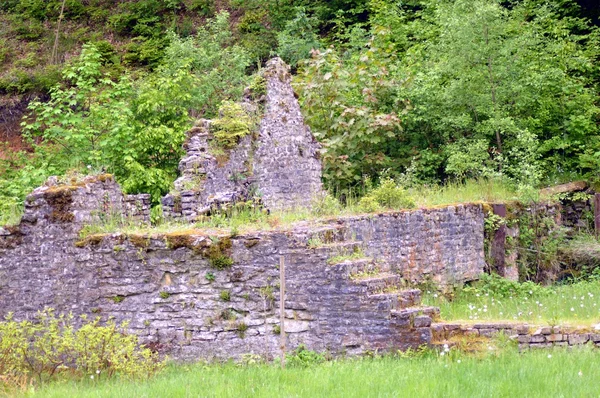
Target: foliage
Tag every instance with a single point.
(298, 38)
(232, 125)
(499, 287)
(302, 357)
(487, 90)
(53, 345)
(135, 128)
(387, 195)
(354, 110)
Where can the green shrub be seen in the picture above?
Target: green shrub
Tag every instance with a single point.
(203, 7)
(232, 125)
(51, 346)
(368, 204)
(497, 286)
(388, 195)
(301, 357)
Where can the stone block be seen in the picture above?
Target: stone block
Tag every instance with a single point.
(555, 337)
(577, 339)
(422, 321)
(537, 338)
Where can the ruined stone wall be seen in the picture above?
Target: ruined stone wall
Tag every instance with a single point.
(279, 163)
(287, 164)
(346, 278)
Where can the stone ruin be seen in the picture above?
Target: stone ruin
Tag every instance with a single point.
(348, 280)
(280, 164)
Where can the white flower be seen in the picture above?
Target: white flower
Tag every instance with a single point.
(435, 295)
(442, 353)
(485, 310)
(581, 305)
(572, 309)
(580, 373)
(92, 377)
(549, 355)
(458, 361)
(500, 313)
(530, 292)
(89, 166)
(445, 345)
(98, 372)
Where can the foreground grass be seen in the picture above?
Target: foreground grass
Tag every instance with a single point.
(576, 304)
(534, 374)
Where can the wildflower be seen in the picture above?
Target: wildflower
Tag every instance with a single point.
(501, 313)
(458, 361)
(98, 372)
(581, 305)
(89, 166)
(442, 353)
(92, 377)
(530, 292)
(485, 310)
(435, 295)
(549, 355)
(580, 373)
(477, 295)
(572, 309)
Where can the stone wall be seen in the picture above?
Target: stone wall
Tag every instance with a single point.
(527, 336)
(199, 296)
(278, 164)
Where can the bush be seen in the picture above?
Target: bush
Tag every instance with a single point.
(44, 349)
(387, 195)
(232, 125)
(497, 286)
(301, 357)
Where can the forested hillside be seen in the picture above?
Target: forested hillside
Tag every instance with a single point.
(421, 91)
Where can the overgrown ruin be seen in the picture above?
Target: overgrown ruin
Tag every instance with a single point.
(349, 281)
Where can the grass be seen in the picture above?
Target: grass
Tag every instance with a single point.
(245, 220)
(467, 192)
(538, 373)
(574, 304)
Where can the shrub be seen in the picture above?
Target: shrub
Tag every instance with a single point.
(301, 357)
(232, 125)
(387, 195)
(43, 349)
(497, 286)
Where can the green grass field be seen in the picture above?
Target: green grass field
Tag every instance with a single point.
(545, 373)
(577, 304)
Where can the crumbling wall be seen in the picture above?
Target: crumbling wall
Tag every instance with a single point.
(287, 164)
(198, 296)
(279, 163)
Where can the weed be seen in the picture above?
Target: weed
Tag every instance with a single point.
(225, 295)
(164, 295)
(209, 276)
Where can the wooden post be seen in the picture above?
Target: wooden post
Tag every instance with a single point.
(282, 308)
(597, 214)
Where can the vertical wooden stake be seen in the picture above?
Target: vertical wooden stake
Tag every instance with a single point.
(597, 214)
(282, 308)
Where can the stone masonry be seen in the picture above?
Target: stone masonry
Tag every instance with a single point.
(280, 163)
(346, 279)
